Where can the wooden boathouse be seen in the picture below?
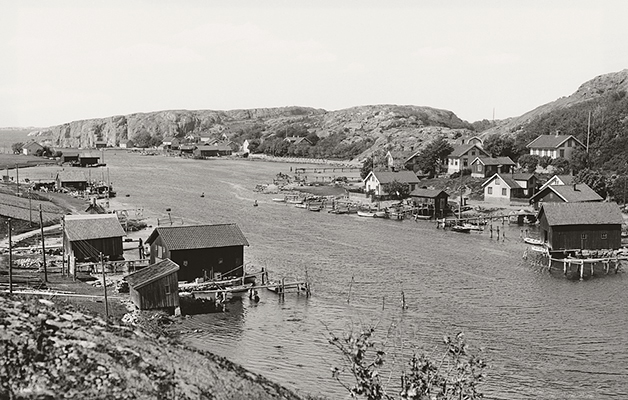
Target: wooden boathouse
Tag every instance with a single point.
(155, 287)
(580, 226)
(201, 251)
(430, 202)
(86, 237)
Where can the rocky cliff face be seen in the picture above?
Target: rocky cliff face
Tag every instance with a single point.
(392, 126)
(597, 87)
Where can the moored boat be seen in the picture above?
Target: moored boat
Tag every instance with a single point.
(533, 241)
(461, 229)
(363, 213)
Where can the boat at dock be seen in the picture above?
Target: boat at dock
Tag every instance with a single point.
(533, 241)
(363, 213)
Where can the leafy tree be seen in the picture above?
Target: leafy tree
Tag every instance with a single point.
(561, 166)
(481, 126)
(397, 190)
(433, 155)
(579, 160)
(545, 161)
(453, 376)
(618, 188)
(594, 179)
(367, 167)
(143, 139)
(500, 146)
(17, 147)
(529, 162)
(254, 145)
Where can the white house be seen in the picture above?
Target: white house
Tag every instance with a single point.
(554, 146)
(500, 189)
(376, 181)
(462, 156)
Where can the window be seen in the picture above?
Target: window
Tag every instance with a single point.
(569, 143)
(504, 190)
(490, 190)
(562, 153)
(167, 288)
(604, 236)
(160, 251)
(497, 182)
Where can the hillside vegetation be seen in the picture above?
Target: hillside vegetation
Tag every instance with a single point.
(345, 134)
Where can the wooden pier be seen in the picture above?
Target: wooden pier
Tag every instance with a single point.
(586, 261)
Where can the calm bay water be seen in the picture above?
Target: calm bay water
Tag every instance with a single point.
(544, 336)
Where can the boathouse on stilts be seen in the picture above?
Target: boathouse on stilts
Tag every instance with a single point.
(582, 238)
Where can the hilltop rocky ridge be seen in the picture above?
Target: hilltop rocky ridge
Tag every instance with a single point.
(354, 132)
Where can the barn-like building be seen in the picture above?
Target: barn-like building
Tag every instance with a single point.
(201, 251)
(581, 226)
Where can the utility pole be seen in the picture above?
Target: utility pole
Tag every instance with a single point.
(588, 131)
(10, 259)
(30, 209)
(17, 177)
(43, 245)
(104, 285)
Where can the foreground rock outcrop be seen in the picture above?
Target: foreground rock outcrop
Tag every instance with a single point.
(51, 352)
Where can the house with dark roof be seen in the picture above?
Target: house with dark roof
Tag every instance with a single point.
(31, 148)
(212, 151)
(100, 144)
(574, 193)
(295, 140)
(70, 179)
(430, 202)
(501, 189)
(86, 237)
(462, 155)
(201, 251)
(581, 226)
(187, 149)
(88, 159)
(155, 287)
(69, 156)
(528, 183)
(554, 146)
(171, 143)
(483, 167)
(377, 181)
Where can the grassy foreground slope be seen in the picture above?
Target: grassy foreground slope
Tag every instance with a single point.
(48, 351)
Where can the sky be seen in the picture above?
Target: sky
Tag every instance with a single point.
(70, 60)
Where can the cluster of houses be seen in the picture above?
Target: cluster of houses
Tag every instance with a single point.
(177, 253)
(501, 183)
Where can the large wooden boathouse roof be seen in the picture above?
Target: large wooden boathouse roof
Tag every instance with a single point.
(199, 236)
(92, 226)
(581, 214)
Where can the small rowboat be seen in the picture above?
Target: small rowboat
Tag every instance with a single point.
(535, 242)
(279, 200)
(362, 213)
(461, 229)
